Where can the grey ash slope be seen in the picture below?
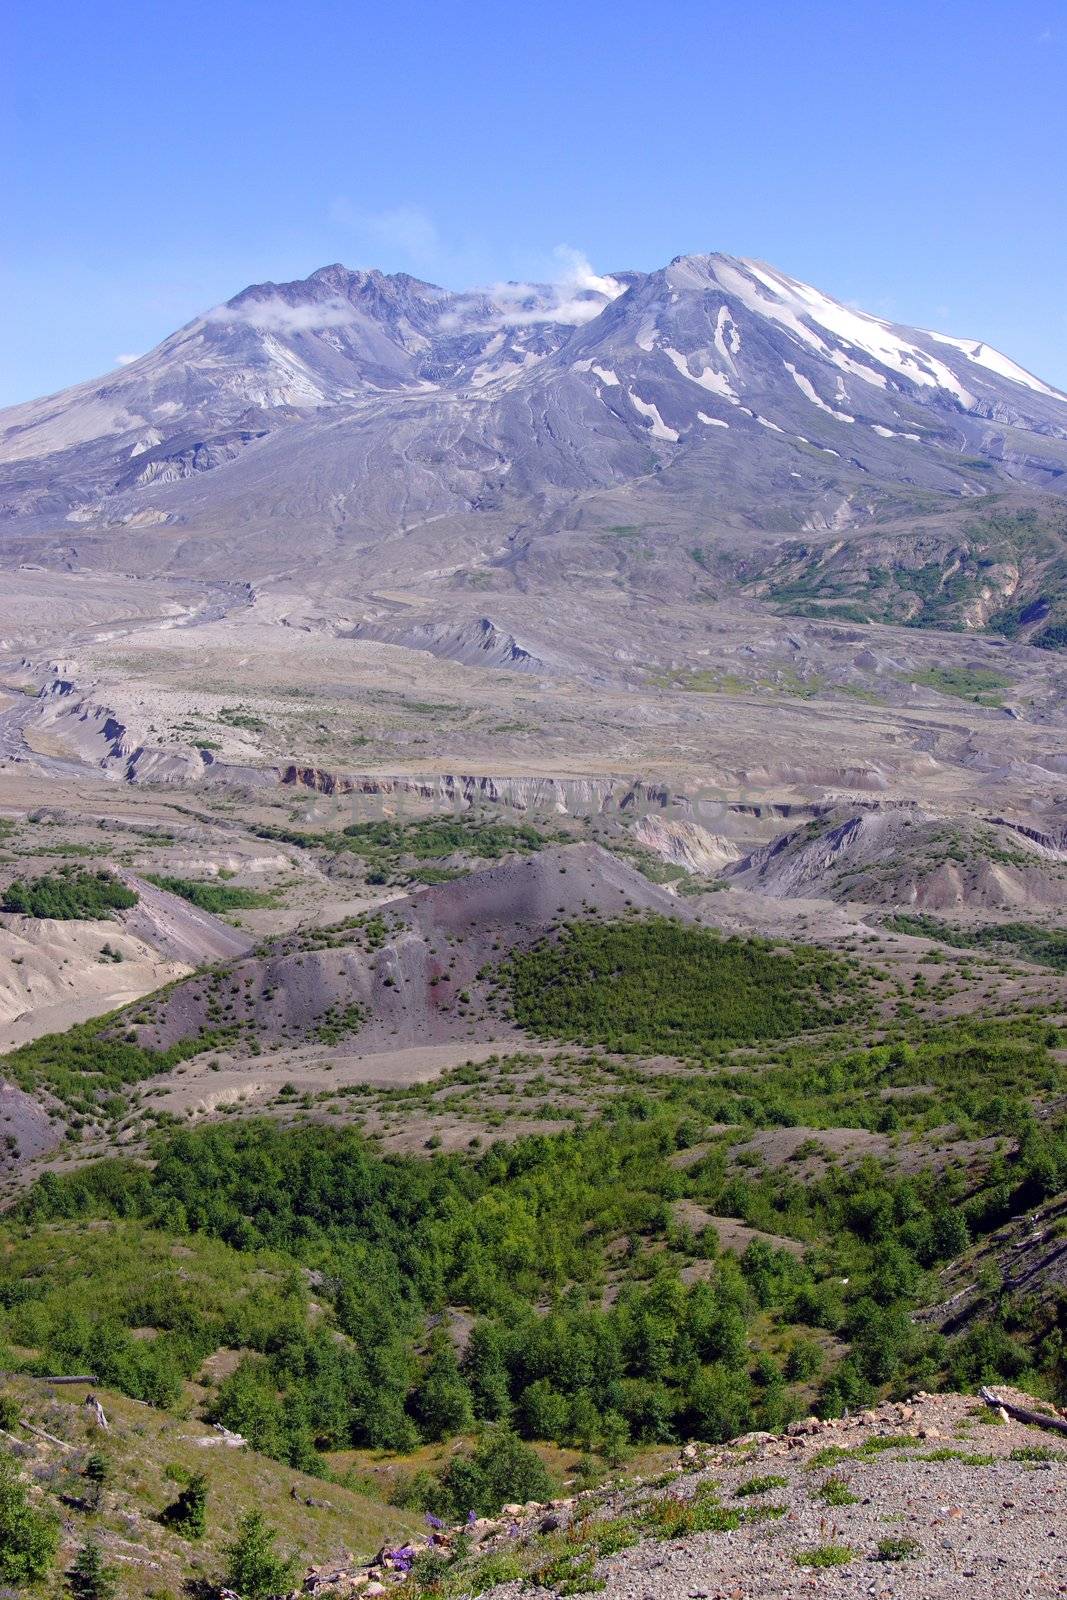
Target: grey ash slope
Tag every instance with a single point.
(417, 972)
(714, 394)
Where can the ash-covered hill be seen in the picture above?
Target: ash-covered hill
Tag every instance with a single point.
(419, 971)
(714, 397)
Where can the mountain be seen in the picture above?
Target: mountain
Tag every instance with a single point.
(509, 433)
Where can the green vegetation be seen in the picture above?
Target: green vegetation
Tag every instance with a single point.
(705, 680)
(188, 1513)
(528, 1236)
(29, 1538)
(255, 1569)
(761, 1485)
(900, 1548)
(826, 1555)
(658, 985)
(1046, 946)
(68, 895)
(90, 1064)
(239, 717)
(836, 1492)
(396, 852)
(213, 896)
(499, 1469)
(980, 684)
(386, 846)
(90, 1578)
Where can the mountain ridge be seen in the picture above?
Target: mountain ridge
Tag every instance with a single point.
(715, 395)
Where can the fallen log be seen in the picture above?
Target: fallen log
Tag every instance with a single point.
(62, 1443)
(1039, 1419)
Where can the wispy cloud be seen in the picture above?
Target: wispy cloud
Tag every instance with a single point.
(275, 315)
(125, 361)
(574, 293)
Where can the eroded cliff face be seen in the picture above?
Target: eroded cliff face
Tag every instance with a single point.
(581, 796)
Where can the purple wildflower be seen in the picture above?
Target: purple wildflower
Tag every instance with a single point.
(471, 1518)
(432, 1521)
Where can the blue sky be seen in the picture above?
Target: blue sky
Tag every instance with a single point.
(908, 158)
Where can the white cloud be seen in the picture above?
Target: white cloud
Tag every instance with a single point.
(275, 315)
(125, 361)
(573, 294)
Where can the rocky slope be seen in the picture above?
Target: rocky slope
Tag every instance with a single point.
(915, 1499)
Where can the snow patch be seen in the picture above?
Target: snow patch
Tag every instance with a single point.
(645, 337)
(606, 376)
(712, 422)
(891, 433)
(715, 382)
(789, 300)
(727, 337)
(983, 355)
(807, 388)
(660, 429)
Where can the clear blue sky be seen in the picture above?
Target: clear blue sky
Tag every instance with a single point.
(908, 157)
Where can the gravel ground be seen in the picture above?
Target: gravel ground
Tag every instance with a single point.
(980, 1530)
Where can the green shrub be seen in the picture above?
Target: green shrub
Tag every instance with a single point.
(898, 1549)
(69, 895)
(836, 1492)
(212, 896)
(29, 1538)
(188, 1513)
(658, 985)
(499, 1469)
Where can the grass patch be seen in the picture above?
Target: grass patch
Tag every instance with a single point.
(836, 1492)
(88, 1066)
(899, 1549)
(966, 1458)
(978, 684)
(760, 1485)
(826, 1555)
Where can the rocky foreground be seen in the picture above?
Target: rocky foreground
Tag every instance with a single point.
(939, 1496)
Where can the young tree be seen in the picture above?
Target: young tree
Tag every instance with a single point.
(28, 1538)
(98, 1474)
(614, 1438)
(255, 1569)
(443, 1401)
(485, 1368)
(188, 1514)
(90, 1578)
